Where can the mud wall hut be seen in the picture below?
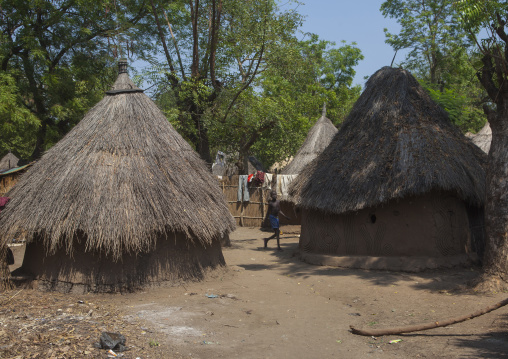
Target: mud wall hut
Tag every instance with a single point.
(393, 185)
(122, 201)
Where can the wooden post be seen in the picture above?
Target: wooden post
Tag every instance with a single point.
(262, 205)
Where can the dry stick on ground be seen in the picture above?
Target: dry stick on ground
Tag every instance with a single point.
(420, 327)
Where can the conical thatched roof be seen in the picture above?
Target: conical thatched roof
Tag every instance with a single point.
(483, 138)
(120, 178)
(316, 141)
(396, 142)
(8, 161)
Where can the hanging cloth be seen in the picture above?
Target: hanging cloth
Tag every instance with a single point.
(243, 189)
(283, 182)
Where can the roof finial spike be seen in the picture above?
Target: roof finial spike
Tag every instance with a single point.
(324, 109)
(122, 66)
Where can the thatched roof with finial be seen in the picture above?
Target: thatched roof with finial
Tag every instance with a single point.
(8, 161)
(120, 178)
(317, 140)
(396, 142)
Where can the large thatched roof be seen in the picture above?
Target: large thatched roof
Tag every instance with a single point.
(120, 178)
(8, 161)
(316, 141)
(396, 142)
(483, 138)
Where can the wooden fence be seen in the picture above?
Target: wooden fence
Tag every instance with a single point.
(253, 213)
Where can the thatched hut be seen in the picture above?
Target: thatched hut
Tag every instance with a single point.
(394, 184)
(121, 201)
(317, 140)
(483, 138)
(8, 161)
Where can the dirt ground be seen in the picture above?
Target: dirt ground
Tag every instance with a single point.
(267, 304)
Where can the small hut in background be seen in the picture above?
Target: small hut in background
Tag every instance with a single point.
(121, 201)
(317, 140)
(483, 138)
(393, 186)
(10, 177)
(8, 161)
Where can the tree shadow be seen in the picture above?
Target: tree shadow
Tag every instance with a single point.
(449, 280)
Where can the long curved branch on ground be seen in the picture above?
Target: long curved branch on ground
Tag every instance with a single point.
(420, 327)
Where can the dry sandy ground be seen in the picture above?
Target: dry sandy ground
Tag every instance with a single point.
(271, 305)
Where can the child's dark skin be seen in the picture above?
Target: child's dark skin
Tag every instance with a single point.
(274, 210)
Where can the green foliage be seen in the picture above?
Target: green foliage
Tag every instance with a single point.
(61, 55)
(440, 56)
(432, 32)
(17, 124)
(303, 75)
(467, 117)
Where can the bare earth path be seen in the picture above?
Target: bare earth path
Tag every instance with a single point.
(271, 305)
(268, 304)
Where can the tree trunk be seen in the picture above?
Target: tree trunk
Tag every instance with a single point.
(496, 208)
(39, 142)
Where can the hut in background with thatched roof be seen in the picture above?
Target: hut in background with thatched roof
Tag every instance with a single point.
(8, 161)
(483, 138)
(317, 140)
(120, 202)
(392, 189)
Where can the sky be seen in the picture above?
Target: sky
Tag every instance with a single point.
(357, 20)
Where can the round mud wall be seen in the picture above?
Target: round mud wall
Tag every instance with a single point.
(173, 260)
(428, 226)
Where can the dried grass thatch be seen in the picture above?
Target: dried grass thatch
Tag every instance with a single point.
(8, 161)
(396, 142)
(317, 140)
(121, 178)
(483, 138)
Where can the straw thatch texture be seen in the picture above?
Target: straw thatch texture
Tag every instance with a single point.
(121, 178)
(317, 140)
(396, 142)
(8, 161)
(483, 138)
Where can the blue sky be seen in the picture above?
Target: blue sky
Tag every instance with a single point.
(359, 21)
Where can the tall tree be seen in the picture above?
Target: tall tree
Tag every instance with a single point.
(491, 16)
(221, 47)
(58, 53)
(18, 126)
(440, 55)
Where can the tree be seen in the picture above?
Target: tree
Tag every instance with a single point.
(18, 125)
(57, 51)
(492, 17)
(308, 73)
(440, 55)
(221, 47)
